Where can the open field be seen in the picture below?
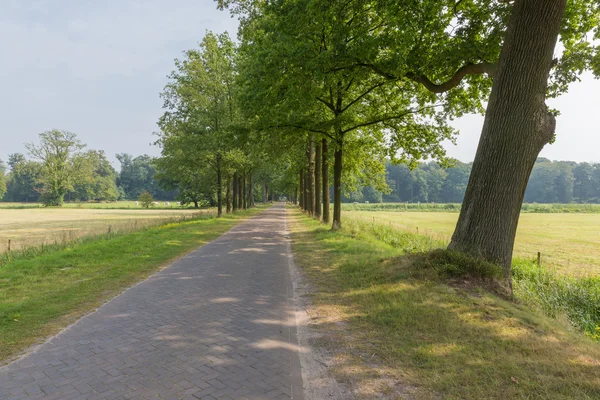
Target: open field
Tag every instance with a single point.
(126, 204)
(569, 242)
(40, 296)
(395, 329)
(35, 226)
(455, 207)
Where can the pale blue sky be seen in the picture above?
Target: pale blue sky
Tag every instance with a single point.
(97, 67)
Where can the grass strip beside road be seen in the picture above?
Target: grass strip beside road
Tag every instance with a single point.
(395, 330)
(40, 296)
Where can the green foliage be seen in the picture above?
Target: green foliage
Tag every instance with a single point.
(146, 199)
(61, 164)
(2, 179)
(22, 179)
(139, 174)
(197, 139)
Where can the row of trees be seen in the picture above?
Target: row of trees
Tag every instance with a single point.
(550, 182)
(318, 88)
(59, 169)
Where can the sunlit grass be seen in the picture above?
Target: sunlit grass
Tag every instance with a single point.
(397, 330)
(26, 228)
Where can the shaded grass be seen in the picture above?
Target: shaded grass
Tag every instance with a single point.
(400, 331)
(40, 296)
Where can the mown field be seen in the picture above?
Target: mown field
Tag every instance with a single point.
(27, 227)
(172, 205)
(569, 242)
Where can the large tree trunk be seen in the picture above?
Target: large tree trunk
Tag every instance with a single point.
(228, 194)
(301, 184)
(219, 187)
(337, 187)
(234, 186)
(325, 178)
(318, 180)
(517, 126)
(311, 175)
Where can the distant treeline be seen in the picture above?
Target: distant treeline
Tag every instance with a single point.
(98, 181)
(550, 182)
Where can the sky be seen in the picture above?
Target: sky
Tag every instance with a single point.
(96, 68)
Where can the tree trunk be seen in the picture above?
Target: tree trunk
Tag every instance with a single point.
(516, 128)
(240, 193)
(195, 203)
(264, 193)
(318, 180)
(306, 192)
(250, 192)
(219, 187)
(325, 178)
(311, 175)
(337, 187)
(228, 194)
(301, 184)
(235, 188)
(244, 194)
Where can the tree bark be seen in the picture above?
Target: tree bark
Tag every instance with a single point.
(301, 184)
(264, 193)
(516, 128)
(318, 180)
(234, 187)
(244, 194)
(306, 192)
(337, 187)
(228, 194)
(196, 204)
(311, 175)
(250, 191)
(325, 178)
(240, 193)
(219, 187)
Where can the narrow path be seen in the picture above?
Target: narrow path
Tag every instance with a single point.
(217, 324)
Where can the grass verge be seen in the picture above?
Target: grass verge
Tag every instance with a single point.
(398, 330)
(42, 295)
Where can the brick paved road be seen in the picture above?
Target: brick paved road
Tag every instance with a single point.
(217, 324)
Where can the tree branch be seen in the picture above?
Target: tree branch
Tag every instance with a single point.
(329, 105)
(467, 69)
(383, 119)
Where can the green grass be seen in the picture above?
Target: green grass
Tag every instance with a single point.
(397, 329)
(40, 296)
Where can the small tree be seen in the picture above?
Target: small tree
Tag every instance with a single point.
(146, 199)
